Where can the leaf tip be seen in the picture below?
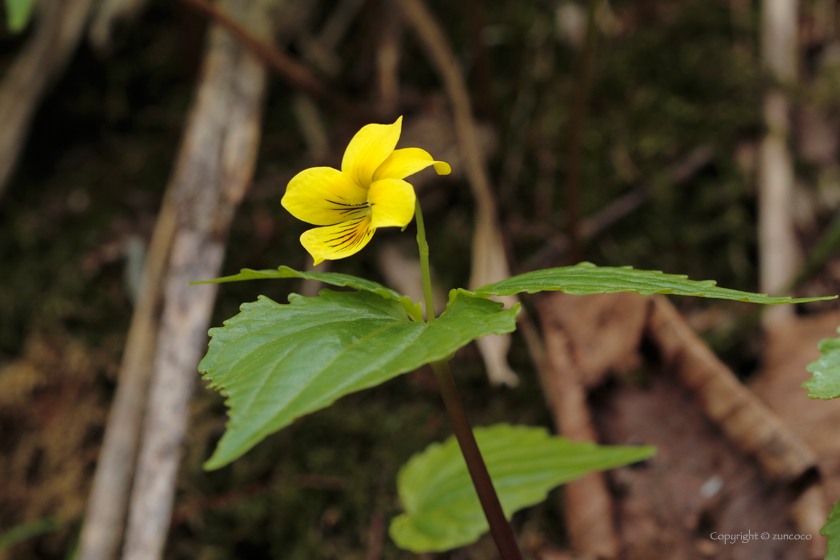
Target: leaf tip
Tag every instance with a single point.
(212, 464)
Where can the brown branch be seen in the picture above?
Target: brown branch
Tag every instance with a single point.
(585, 337)
(214, 168)
(440, 53)
(589, 336)
(298, 75)
(746, 421)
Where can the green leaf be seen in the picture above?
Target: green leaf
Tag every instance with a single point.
(442, 507)
(275, 363)
(831, 530)
(18, 13)
(586, 278)
(333, 278)
(825, 381)
(28, 531)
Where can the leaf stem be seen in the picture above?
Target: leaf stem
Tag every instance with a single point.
(499, 526)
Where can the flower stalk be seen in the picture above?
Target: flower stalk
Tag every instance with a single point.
(499, 526)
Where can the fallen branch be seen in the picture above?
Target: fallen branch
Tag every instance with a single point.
(108, 504)
(744, 418)
(587, 502)
(746, 421)
(587, 337)
(213, 170)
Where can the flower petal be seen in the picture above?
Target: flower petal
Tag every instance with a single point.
(408, 161)
(339, 240)
(324, 196)
(391, 203)
(368, 149)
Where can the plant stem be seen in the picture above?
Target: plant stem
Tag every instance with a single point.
(499, 526)
(424, 263)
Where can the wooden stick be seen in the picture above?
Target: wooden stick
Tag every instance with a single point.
(44, 57)
(106, 511)
(213, 170)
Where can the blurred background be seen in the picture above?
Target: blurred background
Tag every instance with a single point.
(691, 137)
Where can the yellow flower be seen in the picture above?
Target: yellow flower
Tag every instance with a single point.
(368, 193)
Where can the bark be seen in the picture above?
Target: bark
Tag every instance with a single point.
(214, 169)
(43, 59)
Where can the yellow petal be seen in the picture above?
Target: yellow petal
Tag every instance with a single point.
(324, 196)
(408, 161)
(337, 241)
(368, 149)
(391, 203)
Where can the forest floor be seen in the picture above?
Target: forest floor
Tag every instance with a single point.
(674, 114)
